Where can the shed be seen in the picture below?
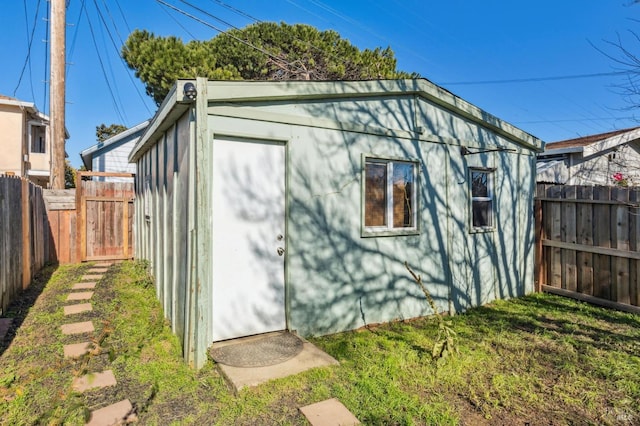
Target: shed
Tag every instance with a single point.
(266, 206)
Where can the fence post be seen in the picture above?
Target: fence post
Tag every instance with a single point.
(540, 266)
(26, 235)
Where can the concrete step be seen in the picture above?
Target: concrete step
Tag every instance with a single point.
(78, 328)
(76, 350)
(78, 308)
(81, 295)
(94, 380)
(329, 413)
(91, 277)
(84, 286)
(114, 414)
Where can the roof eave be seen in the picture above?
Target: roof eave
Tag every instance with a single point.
(226, 91)
(171, 106)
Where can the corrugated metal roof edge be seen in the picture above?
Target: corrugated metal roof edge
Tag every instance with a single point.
(241, 90)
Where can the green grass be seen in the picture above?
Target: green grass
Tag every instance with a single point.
(540, 359)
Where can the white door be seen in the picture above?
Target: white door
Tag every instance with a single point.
(249, 240)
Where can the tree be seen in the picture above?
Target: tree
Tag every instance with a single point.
(262, 51)
(104, 132)
(69, 175)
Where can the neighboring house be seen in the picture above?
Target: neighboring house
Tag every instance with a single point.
(25, 141)
(266, 206)
(602, 159)
(112, 155)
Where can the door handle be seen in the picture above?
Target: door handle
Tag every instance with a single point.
(280, 251)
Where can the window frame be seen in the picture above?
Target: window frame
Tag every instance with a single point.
(490, 172)
(35, 129)
(389, 230)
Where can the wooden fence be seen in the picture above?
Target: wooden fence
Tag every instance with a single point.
(587, 244)
(61, 210)
(24, 236)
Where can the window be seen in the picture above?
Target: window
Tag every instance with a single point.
(390, 196)
(481, 199)
(38, 139)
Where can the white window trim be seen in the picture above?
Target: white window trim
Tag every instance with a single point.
(33, 124)
(490, 197)
(389, 230)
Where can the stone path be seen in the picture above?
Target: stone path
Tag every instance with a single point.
(121, 412)
(329, 413)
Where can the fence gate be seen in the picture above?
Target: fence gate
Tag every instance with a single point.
(105, 216)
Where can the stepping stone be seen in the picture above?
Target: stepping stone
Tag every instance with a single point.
(118, 413)
(77, 308)
(329, 413)
(76, 350)
(93, 381)
(91, 277)
(5, 325)
(84, 286)
(77, 328)
(82, 295)
(102, 265)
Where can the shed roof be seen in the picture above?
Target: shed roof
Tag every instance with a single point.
(256, 91)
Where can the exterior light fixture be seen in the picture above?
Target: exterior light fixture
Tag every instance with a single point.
(190, 91)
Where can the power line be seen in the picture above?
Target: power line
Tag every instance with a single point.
(225, 32)
(118, 52)
(535, 79)
(75, 34)
(567, 120)
(104, 73)
(178, 22)
(46, 62)
(27, 60)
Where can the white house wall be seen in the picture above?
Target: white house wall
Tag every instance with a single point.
(599, 168)
(115, 159)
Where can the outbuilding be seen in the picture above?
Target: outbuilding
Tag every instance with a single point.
(267, 206)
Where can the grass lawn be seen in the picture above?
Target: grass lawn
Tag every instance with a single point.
(539, 360)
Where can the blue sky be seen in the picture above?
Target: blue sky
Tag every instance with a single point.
(449, 42)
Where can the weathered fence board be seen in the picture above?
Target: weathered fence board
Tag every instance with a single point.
(24, 229)
(105, 219)
(588, 242)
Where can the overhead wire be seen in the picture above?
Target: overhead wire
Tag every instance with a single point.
(178, 22)
(27, 60)
(124, 17)
(119, 53)
(221, 31)
(45, 106)
(74, 38)
(533, 79)
(102, 67)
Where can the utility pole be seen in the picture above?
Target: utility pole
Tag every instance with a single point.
(57, 92)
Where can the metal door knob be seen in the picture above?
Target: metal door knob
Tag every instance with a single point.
(280, 251)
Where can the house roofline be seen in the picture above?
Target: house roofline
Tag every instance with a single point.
(87, 154)
(560, 151)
